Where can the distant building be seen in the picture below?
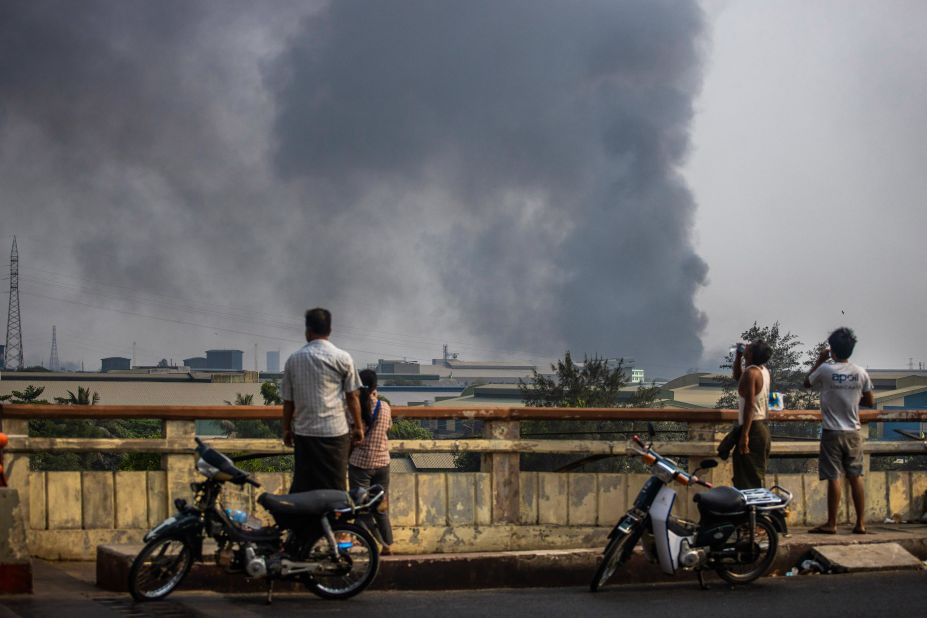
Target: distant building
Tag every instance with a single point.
(398, 366)
(197, 362)
(229, 360)
(273, 361)
(637, 376)
(116, 363)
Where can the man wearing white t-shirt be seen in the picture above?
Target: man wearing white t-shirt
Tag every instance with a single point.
(844, 386)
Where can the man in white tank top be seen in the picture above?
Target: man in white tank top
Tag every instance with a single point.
(752, 451)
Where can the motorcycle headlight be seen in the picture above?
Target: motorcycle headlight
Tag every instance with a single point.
(663, 472)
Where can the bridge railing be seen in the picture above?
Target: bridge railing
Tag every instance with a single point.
(499, 507)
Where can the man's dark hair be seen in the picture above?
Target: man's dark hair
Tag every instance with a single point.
(760, 352)
(319, 321)
(369, 384)
(842, 341)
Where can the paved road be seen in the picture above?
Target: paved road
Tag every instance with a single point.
(883, 594)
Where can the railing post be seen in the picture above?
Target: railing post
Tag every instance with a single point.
(504, 471)
(723, 474)
(178, 467)
(16, 465)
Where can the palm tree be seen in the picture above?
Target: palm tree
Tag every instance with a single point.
(83, 397)
(242, 400)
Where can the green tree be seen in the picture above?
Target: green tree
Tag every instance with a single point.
(408, 429)
(596, 383)
(257, 429)
(271, 393)
(242, 400)
(29, 395)
(105, 429)
(83, 397)
(787, 366)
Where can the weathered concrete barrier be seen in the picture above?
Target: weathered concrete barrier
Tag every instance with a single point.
(431, 513)
(15, 564)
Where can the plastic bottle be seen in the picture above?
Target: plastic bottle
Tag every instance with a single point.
(243, 519)
(239, 517)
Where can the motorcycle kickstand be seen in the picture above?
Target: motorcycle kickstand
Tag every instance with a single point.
(701, 580)
(270, 591)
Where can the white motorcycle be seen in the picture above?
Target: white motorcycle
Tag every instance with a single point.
(737, 534)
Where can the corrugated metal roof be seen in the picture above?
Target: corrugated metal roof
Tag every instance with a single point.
(401, 465)
(432, 461)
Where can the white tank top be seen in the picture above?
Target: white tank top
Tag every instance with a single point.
(760, 402)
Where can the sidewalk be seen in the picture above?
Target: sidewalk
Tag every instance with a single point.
(70, 588)
(521, 569)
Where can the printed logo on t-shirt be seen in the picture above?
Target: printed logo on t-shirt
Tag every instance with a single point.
(840, 378)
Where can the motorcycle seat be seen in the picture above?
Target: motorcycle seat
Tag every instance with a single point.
(306, 503)
(721, 500)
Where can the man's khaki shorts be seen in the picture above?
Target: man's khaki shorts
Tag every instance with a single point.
(841, 454)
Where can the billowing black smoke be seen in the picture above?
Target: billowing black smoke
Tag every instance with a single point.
(504, 172)
(532, 148)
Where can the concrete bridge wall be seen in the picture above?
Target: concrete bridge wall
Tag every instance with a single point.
(70, 513)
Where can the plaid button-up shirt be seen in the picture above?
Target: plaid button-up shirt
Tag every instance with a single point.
(316, 379)
(373, 452)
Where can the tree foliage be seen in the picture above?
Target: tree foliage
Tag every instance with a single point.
(271, 393)
(596, 383)
(84, 397)
(103, 429)
(787, 366)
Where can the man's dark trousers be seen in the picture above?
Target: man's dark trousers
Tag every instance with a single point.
(320, 463)
(750, 469)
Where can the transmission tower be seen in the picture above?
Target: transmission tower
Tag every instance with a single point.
(14, 328)
(53, 363)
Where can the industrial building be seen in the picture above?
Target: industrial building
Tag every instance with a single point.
(228, 360)
(115, 363)
(273, 361)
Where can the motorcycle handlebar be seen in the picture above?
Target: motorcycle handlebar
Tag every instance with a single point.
(252, 482)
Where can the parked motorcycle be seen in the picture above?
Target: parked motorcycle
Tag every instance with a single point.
(318, 538)
(737, 534)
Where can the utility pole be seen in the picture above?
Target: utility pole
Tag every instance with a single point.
(133, 356)
(14, 327)
(53, 363)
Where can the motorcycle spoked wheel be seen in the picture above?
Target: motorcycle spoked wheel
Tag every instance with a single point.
(159, 568)
(765, 546)
(359, 560)
(617, 551)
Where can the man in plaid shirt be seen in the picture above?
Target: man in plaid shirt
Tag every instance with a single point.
(320, 385)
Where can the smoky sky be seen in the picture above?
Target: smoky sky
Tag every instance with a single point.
(501, 173)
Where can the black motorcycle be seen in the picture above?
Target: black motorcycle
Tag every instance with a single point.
(737, 534)
(319, 538)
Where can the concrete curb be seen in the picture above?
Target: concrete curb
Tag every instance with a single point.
(517, 569)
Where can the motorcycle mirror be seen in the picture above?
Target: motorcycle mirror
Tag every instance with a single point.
(707, 464)
(651, 431)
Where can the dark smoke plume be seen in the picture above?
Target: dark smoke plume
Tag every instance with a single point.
(504, 171)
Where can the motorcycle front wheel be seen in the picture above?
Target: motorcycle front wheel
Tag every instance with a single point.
(763, 553)
(159, 568)
(357, 564)
(617, 551)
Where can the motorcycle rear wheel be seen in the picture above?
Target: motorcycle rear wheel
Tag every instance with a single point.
(766, 544)
(617, 551)
(159, 568)
(359, 558)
